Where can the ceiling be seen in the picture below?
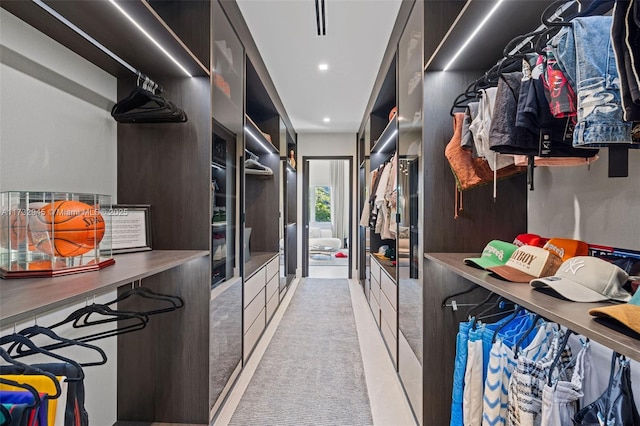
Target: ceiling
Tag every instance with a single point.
(357, 33)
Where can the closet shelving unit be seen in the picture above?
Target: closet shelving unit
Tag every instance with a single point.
(290, 213)
(447, 241)
(261, 211)
(175, 181)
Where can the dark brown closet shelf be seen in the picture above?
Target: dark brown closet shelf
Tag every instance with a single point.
(257, 261)
(21, 299)
(389, 132)
(103, 22)
(510, 19)
(257, 133)
(572, 315)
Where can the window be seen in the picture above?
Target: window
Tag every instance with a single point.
(322, 203)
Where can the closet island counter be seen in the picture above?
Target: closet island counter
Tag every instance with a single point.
(23, 298)
(572, 315)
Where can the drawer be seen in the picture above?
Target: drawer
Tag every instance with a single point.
(273, 268)
(375, 291)
(253, 334)
(272, 286)
(253, 285)
(390, 340)
(389, 314)
(272, 305)
(375, 309)
(390, 289)
(375, 268)
(253, 309)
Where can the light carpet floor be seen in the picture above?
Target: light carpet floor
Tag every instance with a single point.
(311, 372)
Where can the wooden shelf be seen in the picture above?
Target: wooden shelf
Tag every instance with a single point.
(572, 315)
(389, 133)
(387, 265)
(511, 19)
(99, 19)
(259, 141)
(21, 299)
(257, 261)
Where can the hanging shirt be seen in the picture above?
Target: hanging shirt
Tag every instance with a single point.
(459, 372)
(42, 384)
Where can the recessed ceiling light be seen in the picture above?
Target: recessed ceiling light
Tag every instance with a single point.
(326, 119)
(323, 67)
(473, 34)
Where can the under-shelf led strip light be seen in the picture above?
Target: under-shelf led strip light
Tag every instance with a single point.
(143, 31)
(84, 35)
(270, 151)
(473, 34)
(388, 140)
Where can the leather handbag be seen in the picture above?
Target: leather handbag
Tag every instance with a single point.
(615, 407)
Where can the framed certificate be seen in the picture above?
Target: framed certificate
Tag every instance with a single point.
(128, 227)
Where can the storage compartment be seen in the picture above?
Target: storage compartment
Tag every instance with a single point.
(272, 286)
(375, 269)
(375, 309)
(253, 334)
(273, 268)
(390, 289)
(253, 309)
(253, 285)
(390, 340)
(272, 305)
(389, 314)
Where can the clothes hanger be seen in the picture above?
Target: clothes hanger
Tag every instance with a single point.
(176, 301)
(517, 348)
(36, 396)
(143, 105)
(519, 309)
(479, 305)
(26, 368)
(35, 330)
(460, 293)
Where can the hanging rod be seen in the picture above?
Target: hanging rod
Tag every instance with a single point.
(93, 41)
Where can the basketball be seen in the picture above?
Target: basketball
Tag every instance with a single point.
(66, 228)
(13, 228)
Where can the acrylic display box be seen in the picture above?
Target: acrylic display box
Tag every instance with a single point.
(45, 234)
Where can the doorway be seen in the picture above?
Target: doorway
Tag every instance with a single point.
(327, 216)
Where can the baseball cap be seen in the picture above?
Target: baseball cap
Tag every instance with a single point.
(587, 279)
(495, 253)
(566, 248)
(529, 240)
(627, 314)
(528, 263)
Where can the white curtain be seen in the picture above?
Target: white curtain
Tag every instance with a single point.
(339, 213)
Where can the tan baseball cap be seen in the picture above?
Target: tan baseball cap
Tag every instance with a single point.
(528, 263)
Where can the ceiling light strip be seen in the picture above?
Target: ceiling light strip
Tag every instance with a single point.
(324, 20)
(175, 36)
(143, 31)
(473, 34)
(446, 36)
(255, 138)
(318, 16)
(84, 35)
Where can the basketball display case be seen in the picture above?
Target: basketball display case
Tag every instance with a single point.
(45, 234)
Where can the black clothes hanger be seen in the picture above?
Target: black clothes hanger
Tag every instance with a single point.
(143, 105)
(36, 396)
(41, 350)
(176, 302)
(513, 316)
(6, 415)
(28, 369)
(460, 293)
(471, 312)
(516, 349)
(37, 330)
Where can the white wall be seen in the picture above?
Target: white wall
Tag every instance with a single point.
(56, 134)
(326, 144)
(575, 202)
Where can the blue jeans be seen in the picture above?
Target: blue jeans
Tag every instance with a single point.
(586, 54)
